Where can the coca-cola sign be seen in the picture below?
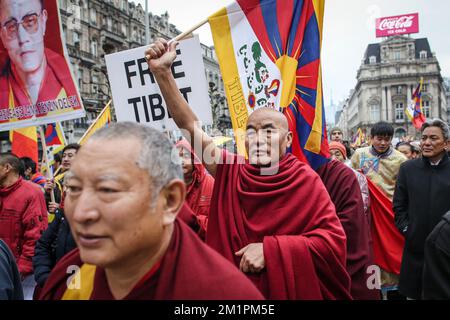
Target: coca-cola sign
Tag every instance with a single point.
(391, 26)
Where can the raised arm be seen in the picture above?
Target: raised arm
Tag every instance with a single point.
(160, 56)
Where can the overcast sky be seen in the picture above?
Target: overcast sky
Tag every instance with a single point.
(349, 26)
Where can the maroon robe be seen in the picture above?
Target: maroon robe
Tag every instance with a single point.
(344, 190)
(189, 270)
(292, 215)
(199, 191)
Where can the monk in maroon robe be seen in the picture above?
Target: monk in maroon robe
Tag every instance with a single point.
(123, 196)
(270, 215)
(199, 185)
(344, 190)
(184, 273)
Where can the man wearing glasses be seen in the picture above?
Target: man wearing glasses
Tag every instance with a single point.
(30, 74)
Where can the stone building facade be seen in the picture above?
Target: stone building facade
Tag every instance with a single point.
(386, 80)
(447, 95)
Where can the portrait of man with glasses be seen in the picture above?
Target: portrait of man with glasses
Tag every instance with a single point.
(31, 74)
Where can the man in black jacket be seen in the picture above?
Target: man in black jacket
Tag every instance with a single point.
(421, 198)
(54, 243)
(436, 273)
(10, 284)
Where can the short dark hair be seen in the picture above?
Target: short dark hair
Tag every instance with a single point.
(29, 163)
(13, 161)
(57, 157)
(382, 129)
(75, 146)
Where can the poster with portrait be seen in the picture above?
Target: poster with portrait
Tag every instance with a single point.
(36, 83)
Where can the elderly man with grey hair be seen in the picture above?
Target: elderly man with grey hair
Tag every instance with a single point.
(124, 192)
(421, 198)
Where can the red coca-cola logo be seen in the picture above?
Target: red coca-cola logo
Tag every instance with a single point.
(396, 23)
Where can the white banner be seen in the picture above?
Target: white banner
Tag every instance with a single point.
(136, 94)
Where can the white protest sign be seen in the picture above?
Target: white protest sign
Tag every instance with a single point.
(136, 94)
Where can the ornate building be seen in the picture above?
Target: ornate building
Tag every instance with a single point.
(93, 28)
(386, 80)
(447, 95)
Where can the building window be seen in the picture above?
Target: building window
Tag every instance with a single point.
(80, 79)
(399, 90)
(397, 69)
(372, 59)
(95, 84)
(94, 47)
(423, 54)
(375, 112)
(426, 109)
(93, 14)
(75, 38)
(397, 55)
(135, 34)
(400, 132)
(399, 111)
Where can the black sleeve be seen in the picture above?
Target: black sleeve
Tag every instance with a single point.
(436, 273)
(57, 194)
(43, 260)
(10, 284)
(400, 201)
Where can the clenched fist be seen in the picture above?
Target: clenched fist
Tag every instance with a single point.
(160, 55)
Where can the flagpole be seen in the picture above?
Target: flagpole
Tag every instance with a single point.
(93, 123)
(147, 26)
(57, 171)
(183, 35)
(45, 158)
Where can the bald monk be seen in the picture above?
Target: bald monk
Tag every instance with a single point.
(122, 209)
(270, 215)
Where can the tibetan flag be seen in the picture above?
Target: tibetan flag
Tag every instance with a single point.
(24, 143)
(388, 242)
(269, 56)
(54, 135)
(414, 110)
(103, 120)
(360, 138)
(55, 141)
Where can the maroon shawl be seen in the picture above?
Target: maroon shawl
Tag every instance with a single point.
(291, 213)
(199, 191)
(343, 188)
(189, 270)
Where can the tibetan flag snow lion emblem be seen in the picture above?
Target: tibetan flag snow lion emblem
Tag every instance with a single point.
(269, 55)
